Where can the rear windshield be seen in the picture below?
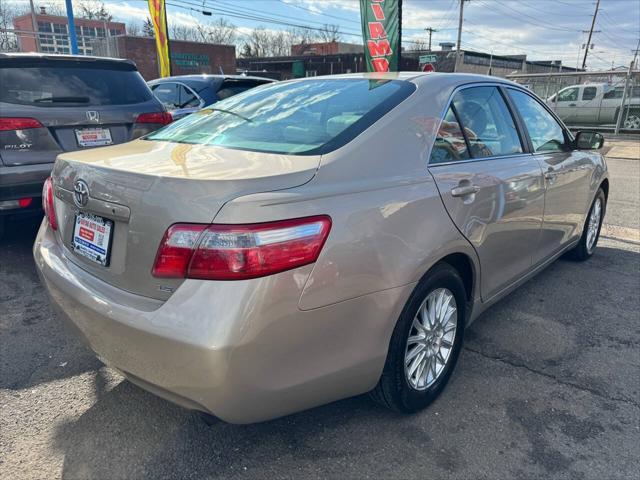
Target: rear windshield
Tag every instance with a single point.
(305, 117)
(62, 85)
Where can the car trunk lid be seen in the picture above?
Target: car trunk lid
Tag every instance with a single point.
(146, 186)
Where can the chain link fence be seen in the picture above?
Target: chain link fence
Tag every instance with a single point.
(606, 100)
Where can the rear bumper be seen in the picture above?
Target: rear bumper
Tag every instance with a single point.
(242, 351)
(24, 181)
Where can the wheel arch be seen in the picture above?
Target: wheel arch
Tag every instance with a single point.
(604, 185)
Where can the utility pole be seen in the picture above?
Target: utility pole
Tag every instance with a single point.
(431, 31)
(34, 25)
(593, 24)
(460, 31)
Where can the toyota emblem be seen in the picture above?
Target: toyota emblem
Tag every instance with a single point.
(80, 193)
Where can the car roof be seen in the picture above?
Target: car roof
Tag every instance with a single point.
(207, 77)
(433, 78)
(62, 57)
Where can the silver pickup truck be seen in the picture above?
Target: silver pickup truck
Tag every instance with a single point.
(597, 104)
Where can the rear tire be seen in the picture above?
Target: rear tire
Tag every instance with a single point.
(2, 222)
(403, 386)
(591, 229)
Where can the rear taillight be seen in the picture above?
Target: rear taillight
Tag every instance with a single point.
(236, 252)
(163, 118)
(18, 123)
(48, 203)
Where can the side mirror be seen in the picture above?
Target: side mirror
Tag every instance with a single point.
(589, 140)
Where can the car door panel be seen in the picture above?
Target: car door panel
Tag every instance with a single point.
(567, 174)
(492, 189)
(502, 219)
(567, 177)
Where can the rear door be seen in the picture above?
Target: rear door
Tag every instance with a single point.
(77, 104)
(567, 173)
(491, 188)
(588, 108)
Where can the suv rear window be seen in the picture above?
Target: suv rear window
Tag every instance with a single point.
(300, 117)
(60, 84)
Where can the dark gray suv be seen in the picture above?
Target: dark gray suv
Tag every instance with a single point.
(51, 104)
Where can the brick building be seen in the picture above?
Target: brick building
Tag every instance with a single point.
(186, 57)
(53, 33)
(325, 48)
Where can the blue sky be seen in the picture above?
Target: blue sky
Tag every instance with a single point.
(543, 29)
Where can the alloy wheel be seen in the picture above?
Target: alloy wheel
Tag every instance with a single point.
(632, 122)
(431, 339)
(594, 224)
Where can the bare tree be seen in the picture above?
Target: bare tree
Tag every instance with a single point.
(219, 32)
(417, 45)
(183, 32)
(147, 28)
(94, 10)
(330, 33)
(8, 11)
(135, 29)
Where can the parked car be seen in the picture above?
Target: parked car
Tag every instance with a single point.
(315, 239)
(51, 104)
(597, 104)
(185, 94)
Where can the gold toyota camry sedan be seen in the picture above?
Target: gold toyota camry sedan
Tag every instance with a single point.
(310, 240)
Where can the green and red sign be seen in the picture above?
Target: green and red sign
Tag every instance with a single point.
(381, 34)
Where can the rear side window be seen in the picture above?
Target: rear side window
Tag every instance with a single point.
(450, 144)
(60, 84)
(589, 93)
(546, 134)
(487, 122)
(302, 117)
(168, 93)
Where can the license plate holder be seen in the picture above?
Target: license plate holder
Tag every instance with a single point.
(93, 137)
(92, 237)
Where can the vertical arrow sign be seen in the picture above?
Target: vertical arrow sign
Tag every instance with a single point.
(381, 34)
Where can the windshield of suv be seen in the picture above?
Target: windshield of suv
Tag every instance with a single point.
(305, 117)
(61, 85)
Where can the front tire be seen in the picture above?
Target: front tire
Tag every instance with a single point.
(425, 344)
(591, 229)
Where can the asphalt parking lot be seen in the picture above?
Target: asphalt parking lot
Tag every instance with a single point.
(548, 386)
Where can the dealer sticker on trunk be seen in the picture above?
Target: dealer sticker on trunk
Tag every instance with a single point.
(92, 237)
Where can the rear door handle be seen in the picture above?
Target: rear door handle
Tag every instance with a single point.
(465, 190)
(572, 104)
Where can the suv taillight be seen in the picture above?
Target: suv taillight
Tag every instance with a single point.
(163, 118)
(48, 203)
(236, 252)
(18, 123)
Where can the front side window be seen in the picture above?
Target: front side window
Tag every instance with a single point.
(301, 117)
(568, 95)
(589, 93)
(450, 144)
(546, 134)
(487, 122)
